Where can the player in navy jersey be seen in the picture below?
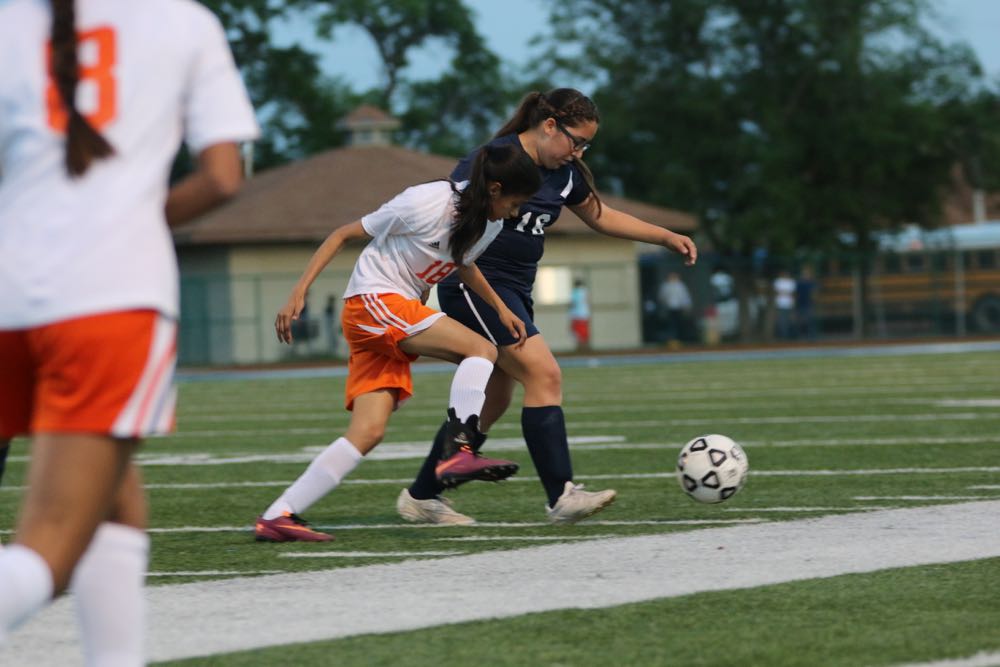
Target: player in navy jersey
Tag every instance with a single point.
(555, 129)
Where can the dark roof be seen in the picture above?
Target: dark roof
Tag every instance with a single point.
(306, 200)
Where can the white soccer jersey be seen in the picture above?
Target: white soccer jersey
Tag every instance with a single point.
(409, 252)
(152, 72)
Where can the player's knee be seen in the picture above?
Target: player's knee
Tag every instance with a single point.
(484, 349)
(548, 380)
(367, 436)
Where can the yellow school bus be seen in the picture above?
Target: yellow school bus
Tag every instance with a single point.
(940, 281)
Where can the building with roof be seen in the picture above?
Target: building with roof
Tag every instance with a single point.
(239, 262)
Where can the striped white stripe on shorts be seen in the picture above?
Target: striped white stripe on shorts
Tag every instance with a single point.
(380, 313)
(150, 409)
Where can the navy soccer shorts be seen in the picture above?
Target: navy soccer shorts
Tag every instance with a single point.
(461, 303)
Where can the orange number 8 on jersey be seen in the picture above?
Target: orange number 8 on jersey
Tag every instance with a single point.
(98, 74)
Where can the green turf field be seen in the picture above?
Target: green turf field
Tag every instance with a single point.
(823, 436)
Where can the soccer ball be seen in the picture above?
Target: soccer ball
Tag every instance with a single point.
(712, 468)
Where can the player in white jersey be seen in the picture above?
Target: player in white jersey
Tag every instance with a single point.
(419, 237)
(95, 97)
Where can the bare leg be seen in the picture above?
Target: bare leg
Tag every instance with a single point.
(329, 468)
(450, 340)
(535, 367)
(108, 581)
(499, 392)
(73, 484)
(369, 418)
(542, 420)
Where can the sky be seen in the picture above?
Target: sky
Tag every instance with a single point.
(509, 25)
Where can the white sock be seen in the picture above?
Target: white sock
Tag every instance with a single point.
(25, 586)
(107, 584)
(321, 477)
(468, 387)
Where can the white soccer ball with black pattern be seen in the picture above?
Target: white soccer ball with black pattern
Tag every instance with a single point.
(712, 468)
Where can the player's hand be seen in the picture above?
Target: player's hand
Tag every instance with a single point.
(288, 314)
(514, 325)
(426, 294)
(682, 245)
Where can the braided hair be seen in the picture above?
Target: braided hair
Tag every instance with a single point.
(84, 144)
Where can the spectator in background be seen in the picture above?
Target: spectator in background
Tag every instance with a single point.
(805, 304)
(675, 300)
(330, 323)
(722, 285)
(784, 304)
(579, 314)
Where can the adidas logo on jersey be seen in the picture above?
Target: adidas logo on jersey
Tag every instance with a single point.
(435, 244)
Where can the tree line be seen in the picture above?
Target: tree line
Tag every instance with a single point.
(780, 124)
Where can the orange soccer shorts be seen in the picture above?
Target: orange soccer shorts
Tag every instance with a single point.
(374, 325)
(110, 374)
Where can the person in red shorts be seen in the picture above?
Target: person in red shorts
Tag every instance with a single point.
(579, 314)
(88, 280)
(418, 238)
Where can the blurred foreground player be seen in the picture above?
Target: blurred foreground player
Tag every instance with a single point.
(95, 97)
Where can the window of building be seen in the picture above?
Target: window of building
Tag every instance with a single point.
(553, 285)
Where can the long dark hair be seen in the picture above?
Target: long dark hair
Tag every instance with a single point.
(507, 165)
(567, 106)
(84, 144)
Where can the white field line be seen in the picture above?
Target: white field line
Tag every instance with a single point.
(601, 477)
(983, 659)
(853, 508)
(969, 403)
(919, 497)
(369, 554)
(711, 422)
(334, 527)
(986, 487)
(209, 618)
(896, 389)
(418, 449)
(722, 402)
(523, 538)
(213, 573)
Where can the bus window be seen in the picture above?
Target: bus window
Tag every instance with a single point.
(986, 259)
(915, 262)
(940, 261)
(893, 263)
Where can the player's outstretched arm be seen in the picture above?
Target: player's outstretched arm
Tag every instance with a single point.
(218, 177)
(326, 252)
(610, 221)
(473, 277)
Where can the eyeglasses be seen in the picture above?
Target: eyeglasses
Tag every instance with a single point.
(579, 143)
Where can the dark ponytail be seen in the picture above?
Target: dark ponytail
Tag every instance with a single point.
(507, 165)
(567, 106)
(84, 144)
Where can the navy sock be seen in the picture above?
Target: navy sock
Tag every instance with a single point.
(426, 484)
(545, 432)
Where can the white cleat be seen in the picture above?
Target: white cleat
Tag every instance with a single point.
(433, 510)
(575, 504)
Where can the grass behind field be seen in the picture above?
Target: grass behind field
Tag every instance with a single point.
(823, 435)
